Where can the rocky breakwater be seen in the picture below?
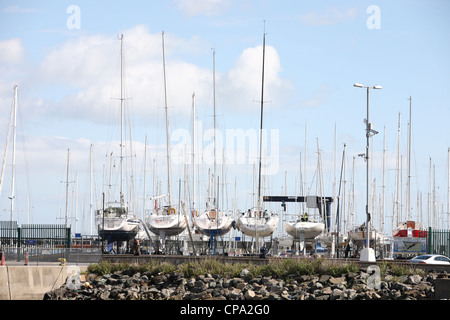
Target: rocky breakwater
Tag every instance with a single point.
(361, 285)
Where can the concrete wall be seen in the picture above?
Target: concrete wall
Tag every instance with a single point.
(32, 282)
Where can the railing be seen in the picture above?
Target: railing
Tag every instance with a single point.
(38, 241)
(438, 242)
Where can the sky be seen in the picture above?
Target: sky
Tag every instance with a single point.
(64, 56)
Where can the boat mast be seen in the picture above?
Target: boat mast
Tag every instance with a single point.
(408, 185)
(397, 200)
(193, 151)
(91, 167)
(122, 201)
(448, 188)
(13, 154)
(214, 105)
(145, 176)
(67, 187)
(167, 121)
(261, 126)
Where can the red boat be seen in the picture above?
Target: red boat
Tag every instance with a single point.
(410, 229)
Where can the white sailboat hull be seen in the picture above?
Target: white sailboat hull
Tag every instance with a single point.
(170, 225)
(257, 226)
(117, 228)
(330, 238)
(217, 225)
(310, 229)
(359, 237)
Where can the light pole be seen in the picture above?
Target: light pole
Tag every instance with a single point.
(369, 133)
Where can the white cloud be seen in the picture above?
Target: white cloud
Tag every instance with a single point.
(331, 16)
(17, 9)
(11, 51)
(242, 84)
(192, 8)
(88, 69)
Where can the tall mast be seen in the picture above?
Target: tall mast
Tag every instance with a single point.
(122, 201)
(193, 151)
(408, 185)
(67, 187)
(90, 187)
(398, 172)
(261, 126)
(448, 188)
(167, 121)
(214, 105)
(13, 154)
(383, 182)
(145, 176)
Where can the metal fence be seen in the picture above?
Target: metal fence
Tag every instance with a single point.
(46, 242)
(438, 242)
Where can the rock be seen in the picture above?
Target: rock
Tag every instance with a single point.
(402, 279)
(104, 295)
(317, 286)
(336, 281)
(400, 286)
(244, 273)
(235, 294)
(326, 290)
(249, 295)
(131, 285)
(336, 294)
(414, 279)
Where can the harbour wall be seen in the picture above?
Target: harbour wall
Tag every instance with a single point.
(32, 282)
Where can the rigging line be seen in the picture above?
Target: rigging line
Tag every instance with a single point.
(7, 145)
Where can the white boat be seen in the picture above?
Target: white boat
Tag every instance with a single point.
(116, 222)
(358, 236)
(310, 229)
(258, 222)
(329, 238)
(409, 229)
(213, 223)
(166, 220)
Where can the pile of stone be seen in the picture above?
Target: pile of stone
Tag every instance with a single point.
(128, 285)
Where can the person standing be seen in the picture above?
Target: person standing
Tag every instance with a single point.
(262, 251)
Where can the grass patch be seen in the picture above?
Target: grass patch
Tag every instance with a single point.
(282, 268)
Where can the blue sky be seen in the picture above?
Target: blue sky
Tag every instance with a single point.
(68, 83)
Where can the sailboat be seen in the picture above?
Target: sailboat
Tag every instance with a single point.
(115, 222)
(258, 222)
(306, 228)
(409, 236)
(212, 221)
(358, 236)
(166, 220)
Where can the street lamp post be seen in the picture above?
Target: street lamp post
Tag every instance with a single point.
(369, 132)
